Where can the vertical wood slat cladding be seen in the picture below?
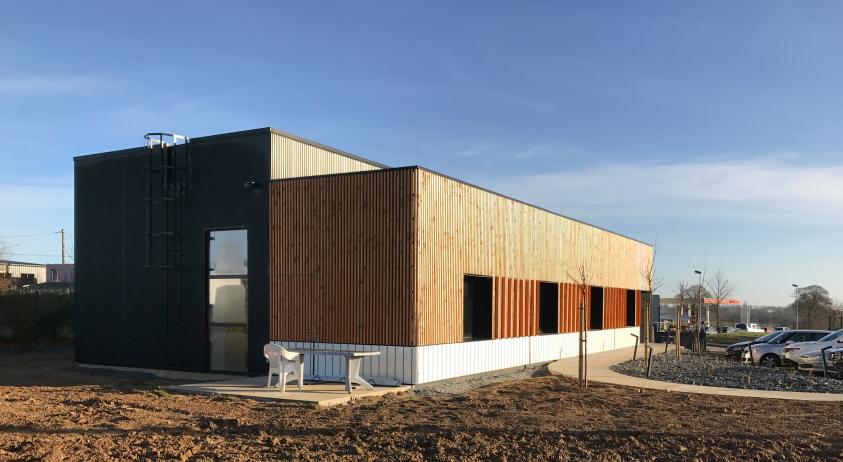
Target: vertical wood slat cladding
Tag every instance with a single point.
(570, 297)
(614, 308)
(515, 310)
(292, 158)
(463, 229)
(379, 258)
(341, 260)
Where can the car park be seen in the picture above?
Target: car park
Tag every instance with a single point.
(769, 353)
(792, 354)
(735, 350)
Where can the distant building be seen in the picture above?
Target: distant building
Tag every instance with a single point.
(24, 273)
(60, 272)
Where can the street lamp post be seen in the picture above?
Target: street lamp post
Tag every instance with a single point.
(796, 291)
(698, 317)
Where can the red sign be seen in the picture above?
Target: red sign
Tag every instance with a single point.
(725, 301)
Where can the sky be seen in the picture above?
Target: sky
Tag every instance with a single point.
(712, 129)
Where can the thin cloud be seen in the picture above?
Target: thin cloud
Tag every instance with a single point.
(769, 190)
(33, 84)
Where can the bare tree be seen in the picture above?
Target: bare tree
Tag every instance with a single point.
(4, 251)
(582, 279)
(815, 306)
(651, 283)
(720, 288)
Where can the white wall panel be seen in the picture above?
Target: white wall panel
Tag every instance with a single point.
(416, 365)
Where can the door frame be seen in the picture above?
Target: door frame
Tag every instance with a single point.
(207, 305)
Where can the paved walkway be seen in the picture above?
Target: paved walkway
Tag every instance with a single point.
(598, 371)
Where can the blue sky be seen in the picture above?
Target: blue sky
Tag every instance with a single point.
(713, 128)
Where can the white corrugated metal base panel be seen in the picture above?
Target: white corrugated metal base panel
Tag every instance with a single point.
(416, 365)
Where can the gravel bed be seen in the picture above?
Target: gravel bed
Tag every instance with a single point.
(464, 384)
(716, 372)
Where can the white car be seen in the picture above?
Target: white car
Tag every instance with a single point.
(792, 354)
(748, 327)
(769, 353)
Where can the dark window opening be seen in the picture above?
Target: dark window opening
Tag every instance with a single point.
(630, 307)
(477, 308)
(595, 312)
(548, 308)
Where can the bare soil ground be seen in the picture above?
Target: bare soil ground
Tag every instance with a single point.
(50, 410)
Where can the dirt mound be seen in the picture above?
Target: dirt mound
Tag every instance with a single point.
(543, 418)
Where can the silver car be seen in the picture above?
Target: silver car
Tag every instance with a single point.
(770, 353)
(793, 352)
(813, 362)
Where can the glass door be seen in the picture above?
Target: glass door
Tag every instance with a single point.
(228, 302)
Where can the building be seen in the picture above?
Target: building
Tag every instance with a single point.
(60, 272)
(25, 273)
(192, 256)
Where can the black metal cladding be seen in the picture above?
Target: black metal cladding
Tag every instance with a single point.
(145, 305)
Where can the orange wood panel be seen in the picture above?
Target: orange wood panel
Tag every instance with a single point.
(515, 308)
(341, 259)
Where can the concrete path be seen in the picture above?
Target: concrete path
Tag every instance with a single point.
(598, 371)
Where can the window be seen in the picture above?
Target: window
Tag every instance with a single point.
(548, 308)
(228, 301)
(477, 308)
(814, 336)
(54, 275)
(630, 307)
(832, 336)
(596, 309)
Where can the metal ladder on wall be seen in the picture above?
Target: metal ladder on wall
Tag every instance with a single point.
(172, 169)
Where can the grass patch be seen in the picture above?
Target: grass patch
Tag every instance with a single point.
(161, 393)
(733, 337)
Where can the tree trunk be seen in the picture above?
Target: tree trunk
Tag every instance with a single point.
(717, 316)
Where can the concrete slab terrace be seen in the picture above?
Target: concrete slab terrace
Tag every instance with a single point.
(321, 393)
(598, 371)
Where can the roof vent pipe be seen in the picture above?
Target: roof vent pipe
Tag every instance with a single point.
(164, 139)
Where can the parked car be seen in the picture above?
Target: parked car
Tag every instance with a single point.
(834, 359)
(735, 350)
(748, 327)
(792, 353)
(727, 329)
(781, 328)
(769, 353)
(812, 361)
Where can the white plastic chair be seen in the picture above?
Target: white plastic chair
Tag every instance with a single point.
(285, 364)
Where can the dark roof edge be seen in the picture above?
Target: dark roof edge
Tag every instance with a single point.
(250, 132)
(418, 167)
(199, 139)
(327, 148)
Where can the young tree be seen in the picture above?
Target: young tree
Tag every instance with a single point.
(720, 288)
(582, 279)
